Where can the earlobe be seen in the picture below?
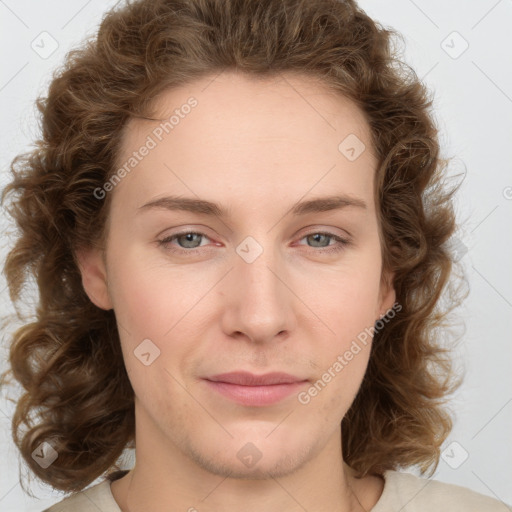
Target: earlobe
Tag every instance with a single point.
(94, 276)
(388, 294)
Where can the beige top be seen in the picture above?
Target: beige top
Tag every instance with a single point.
(402, 491)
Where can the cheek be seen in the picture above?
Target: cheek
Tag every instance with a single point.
(340, 371)
(150, 297)
(343, 340)
(155, 303)
(348, 303)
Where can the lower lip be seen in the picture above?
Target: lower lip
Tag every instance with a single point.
(255, 395)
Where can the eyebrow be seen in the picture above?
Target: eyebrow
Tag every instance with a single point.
(201, 206)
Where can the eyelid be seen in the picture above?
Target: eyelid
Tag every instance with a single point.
(317, 228)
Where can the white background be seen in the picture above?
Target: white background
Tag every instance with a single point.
(473, 103)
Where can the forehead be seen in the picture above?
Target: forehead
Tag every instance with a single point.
(234, 104)
(286, 135)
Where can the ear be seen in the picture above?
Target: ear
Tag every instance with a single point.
(92, 267)
(387, 294)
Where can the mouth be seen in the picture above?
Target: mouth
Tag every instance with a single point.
(255, 390)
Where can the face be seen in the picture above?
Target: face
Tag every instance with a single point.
(269, 280)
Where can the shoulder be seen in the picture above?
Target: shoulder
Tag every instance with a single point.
(96, 497)
(416, 494)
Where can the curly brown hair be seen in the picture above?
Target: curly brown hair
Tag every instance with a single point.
(77, 395)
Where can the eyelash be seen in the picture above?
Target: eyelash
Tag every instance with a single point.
(342, 242)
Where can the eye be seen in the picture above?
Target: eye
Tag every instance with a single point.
(320, 237)
(189, 239)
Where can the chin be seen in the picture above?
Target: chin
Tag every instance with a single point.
(252, 458)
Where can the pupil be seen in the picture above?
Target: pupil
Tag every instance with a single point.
(315, 237)
(189, 237)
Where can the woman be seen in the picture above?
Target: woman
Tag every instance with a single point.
(238, 224)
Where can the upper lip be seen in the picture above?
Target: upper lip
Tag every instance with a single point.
(250, 379)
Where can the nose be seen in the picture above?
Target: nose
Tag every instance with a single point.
(260, 304)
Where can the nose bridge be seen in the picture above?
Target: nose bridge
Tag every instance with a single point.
(261, 303)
